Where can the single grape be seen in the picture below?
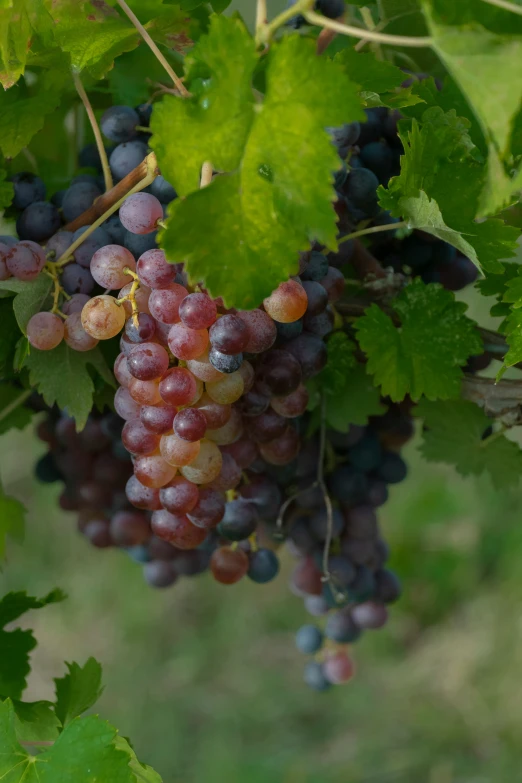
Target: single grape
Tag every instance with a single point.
(148, 361)
(126, 157)
(266, 426)
(138, 244)
(93, 242)
(45, 331)
(216, 415)
(387, 586)
(319, 524)
(118, 123)
(263, 566)
(240, 520)
(341, 628)
(228, 565)
(229, 432)
(75, 304)
(262, 330)
(38, 221)
(75, 335)
(77, 280)
(178, 387)
(98, 533)
(317, 297)
(140, 213)
(315, 678)
(280, 371)
(108, 264)
(223, 362)
(157, 418)
(163, 190)
(344, 136)
(138, 439)
(177, 451)
(179, 496)
(27, 188)
(370, 615)
(145, 392)
(58, 244)
(129, 528)
(227, 389)
(177, 529)
(283, 449)
(209, 509)
(229, 475)
(115, 230)
(154, 270)
(206, 466)
(160, 573)
(25, 260)
(293, 404)
(310, 352)
(229, 334)
(124, 404)
(287, 303)
(164, 303)
(244, 451)
(153, 472)
(321, 324)
(316, 605)
(338, 668)
(187, 343)
(190, 424)
(202, 368)
(309, 639)
(198, 311)
(78, 198)
(102, 318)
(361, 522)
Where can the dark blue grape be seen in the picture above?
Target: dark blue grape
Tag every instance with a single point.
(344, 136)
(138, 553)
(58, 244)
(163, 190)
(239, 522)
(89, 157)
(363, 586)
(319, 524)
(97, 239)
(321, 324)
(46, 469)
(333, 9)
(115, 230)
(315, 678)
(317, 267)
(39, 221)
(139, 243)
(443, 253)
(366, 454)
(373, 128)
(310, 351)
(78, 198)
(387, 586)
(360, 190)
(225, 362)
(392, 469)
(296, 21)
(264, 566)
(85, 178)
(317, 297)
(28, 188)
(119, 123)
(144, 112)
(289, 331)
(77, 280)
(348, 485)
(309, 639)
(125, 157)
(378, 157)
(361, 522)
(58, 197)
(377, 493)
(341, 628)
(415, 253)
(341, 570)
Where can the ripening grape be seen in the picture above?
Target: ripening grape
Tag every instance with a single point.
(244, 451)
(370, 615)
(154, 270)
(141, 297)
(138, 439)
(216, 415)
(309, 639)
(262, 331)
(228, 565)
(293, 404)
(177, 451)
(248, 374)
(153, 472)
(145, 392)
(140, 213)
(287, 303)
(227, 389)
(229, 432)
(177, 529)
(190, 424)
(179, 496)
(129, 528)
(108, 263)
(178, 387)
(229, 334)
(283, 449)
(124, 404)
(164, 303)
(141, 328)
(141, 496)
(202, 369)
(229, 476)
(267, 426)
(102, 318)
(206, 466)
(158, 418)
(316, 296)
(198, 311)
(45, 331)
(338, 668)
(209, 510)
(310, 352)
(148, 361)
(186, 343)
(25, 260)
(75, 304)
(280, 371)
(77, 280)
(75, 335)
(263, 566)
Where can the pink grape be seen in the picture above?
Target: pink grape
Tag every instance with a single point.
(338, 668)
(25, 260)
(198, 311)
(45, 331)
(108, 263)
(145, 392)
(206, 466)
(158, 418)
(164, 303)
(148, 361)
(287, 303)
(190, 424)
(154, 270)
(229, 335)
(248, 374)
(370, 615)
(129, 528)
(75, 335)
(177, 529)
(178, 387)
(187, 343)
(138, 439)
(102, 318)
(294, 404)
(140, 213)
(209, 510)
(153, 472)
(229, 475)
(262, 330)
(177, 451)
(179, 496)
(124, 405)
(75, 304)
(244, 451)
(126, 344)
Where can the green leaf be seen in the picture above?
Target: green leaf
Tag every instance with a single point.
(424, 354)
(31, 297)
(6, 190)
(22, 114)
(143, 773)
(439, 188)
(220, 5)
(12, 521)
(173, 28)
(369, 73)
(18, 20)
(10, 336)
(62, 377)
(16, 645)
(19, 416)
(512, 329)
(359, 400)
(84, 752)
(35, 721)
(127, 85)
(454, 434)
(78, 690)
(256, 218)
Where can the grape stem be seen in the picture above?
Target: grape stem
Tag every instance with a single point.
(288, 501)
(265, 32)
(131, 296)
(14, 404)
(153, 47)
(261, 15)
(253, 542)
(147, 167)
(374, 230)
(143, 183)
(515, 9)
(107, 176)
(365, 35)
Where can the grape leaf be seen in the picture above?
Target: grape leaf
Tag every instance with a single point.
(78, 690)
(127, 85)
(512, 329)
(143, 773)
(22, 113)
(16, 645)
(424, 354)
(439, 162)
(220, 5)
(358, 401)
(454, 435)
(10, 336)
(35, 721)
(61, 376)
(30, 298)
(12, 520)
(513, 292)
(84, 752)
(6, 190)
(258, 217)
(19, 19)
(13, 415)
(368, 72)
(173, 28)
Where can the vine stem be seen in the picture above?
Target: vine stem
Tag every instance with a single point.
(261, 14)
(107, 176)
(507, 6)
(143, 183)
(374, 230)
(365, 35)
(206, 174)
(148, 40)
(265, 32)
(15, 403)
(288, 501)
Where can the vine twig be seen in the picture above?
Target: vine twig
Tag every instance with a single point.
(107, 176)
(155, 50)
(374, 230)
(206, 174)
(14, 404)
(365, 35)
(515, 9)
(288, 501)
